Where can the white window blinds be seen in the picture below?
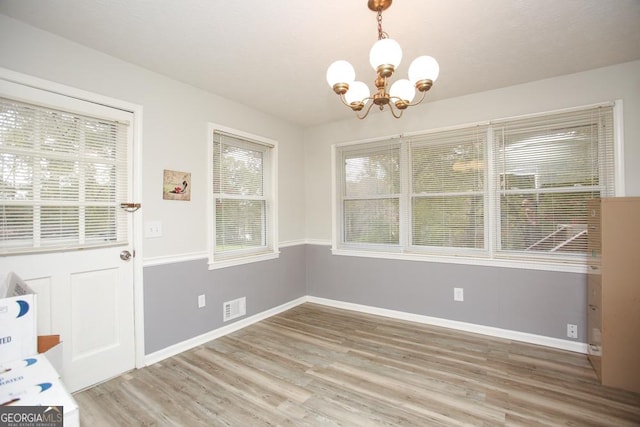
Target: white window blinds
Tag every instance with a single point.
(515, 188)
(448, 188)
(63, 178)
(547, 168)
(371, 196)
(241, 190)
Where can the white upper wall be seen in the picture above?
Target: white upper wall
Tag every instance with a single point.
(592, 87)
(175, 117)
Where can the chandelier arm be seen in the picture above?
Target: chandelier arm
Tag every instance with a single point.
(364, 100)
(366, 112)
(393, 111)
(344, 101)
(419, 101)
(413, 104)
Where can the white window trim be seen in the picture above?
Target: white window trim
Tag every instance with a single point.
(576, 264)
(273, 251)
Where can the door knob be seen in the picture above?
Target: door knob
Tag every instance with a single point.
(125, 255)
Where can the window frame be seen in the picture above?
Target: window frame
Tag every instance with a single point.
(270, 250)
(490, 255)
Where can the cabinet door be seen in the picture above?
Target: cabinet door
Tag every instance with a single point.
(620, 274)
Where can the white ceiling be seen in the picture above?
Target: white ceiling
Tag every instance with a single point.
(273, 55)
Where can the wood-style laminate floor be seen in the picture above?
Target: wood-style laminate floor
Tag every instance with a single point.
(320, 366)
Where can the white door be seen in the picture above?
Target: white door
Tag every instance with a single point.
(84, 293)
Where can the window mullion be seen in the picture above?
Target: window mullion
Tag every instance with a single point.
(491, 205)
(406, 233)
(82, 187)
(37, 181)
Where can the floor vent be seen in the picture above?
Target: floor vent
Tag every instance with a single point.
(233, 309)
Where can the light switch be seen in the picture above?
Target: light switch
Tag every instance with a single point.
(152, 229)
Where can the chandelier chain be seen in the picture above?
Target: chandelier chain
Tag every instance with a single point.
(381, 34)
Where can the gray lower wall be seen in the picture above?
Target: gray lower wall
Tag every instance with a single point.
(530, 301)
(171, 313)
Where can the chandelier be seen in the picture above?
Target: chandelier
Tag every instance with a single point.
(385, 56)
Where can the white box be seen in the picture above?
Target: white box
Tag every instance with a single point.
(18, 373)
(18, 322)
(33, 381)
(49, 393)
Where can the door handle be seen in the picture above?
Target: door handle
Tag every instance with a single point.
(125, 255)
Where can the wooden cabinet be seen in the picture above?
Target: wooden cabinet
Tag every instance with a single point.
(613, 286)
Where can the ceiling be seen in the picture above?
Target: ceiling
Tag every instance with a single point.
(273, 55)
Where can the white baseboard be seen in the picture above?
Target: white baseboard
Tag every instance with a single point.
(220, 332)
(167, 352)
(576, 347)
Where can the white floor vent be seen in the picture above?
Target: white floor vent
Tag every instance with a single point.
(233, 309)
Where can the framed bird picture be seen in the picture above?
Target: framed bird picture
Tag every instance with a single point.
(176, 185)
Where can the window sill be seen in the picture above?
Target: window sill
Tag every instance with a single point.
(520, 263)
(247, 259)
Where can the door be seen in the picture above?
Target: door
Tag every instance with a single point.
(64, 175)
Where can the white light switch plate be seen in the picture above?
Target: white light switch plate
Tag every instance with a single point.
(152, 229)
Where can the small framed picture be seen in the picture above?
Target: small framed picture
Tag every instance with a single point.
(176, 185)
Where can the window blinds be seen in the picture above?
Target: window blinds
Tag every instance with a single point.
(510, 188)
(547, 168)
(371, 203)
(63, 178)
(240, 194)
(448, 188)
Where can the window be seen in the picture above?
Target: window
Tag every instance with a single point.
(509, 189)
(243, 203)
(547, 168)
(447, 176)
(371, 202)
(63, 178)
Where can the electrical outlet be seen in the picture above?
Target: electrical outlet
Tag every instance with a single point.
(572, 330)
(201, 301)
(458, 294)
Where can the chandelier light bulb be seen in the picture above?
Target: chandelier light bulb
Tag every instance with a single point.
(340, 72)
(385, 52)
(358, 92)
(403, 89)
(424, 68)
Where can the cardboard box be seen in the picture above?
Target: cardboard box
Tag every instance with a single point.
(19, 374)
(52, 393)
(33, 381)
(51, 346)
(18, 322)
(28, 378)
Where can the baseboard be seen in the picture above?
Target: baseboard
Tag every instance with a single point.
(170, 351)
(576, 347)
